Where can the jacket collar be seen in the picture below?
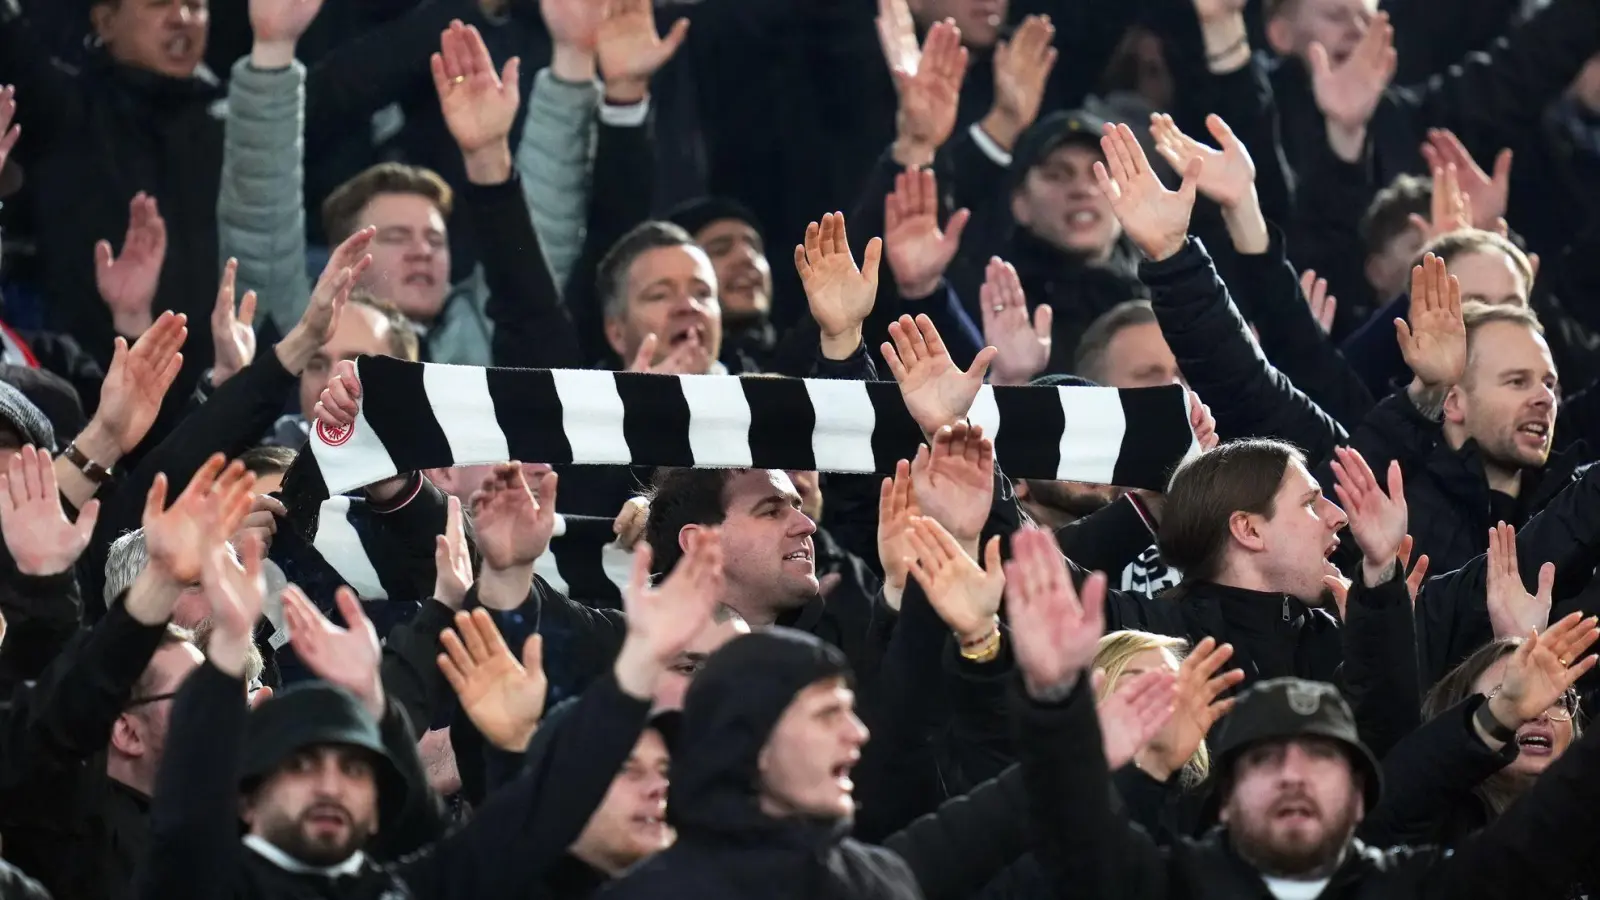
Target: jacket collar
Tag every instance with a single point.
(284, 861)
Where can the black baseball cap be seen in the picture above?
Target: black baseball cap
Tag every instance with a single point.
(1073, 126)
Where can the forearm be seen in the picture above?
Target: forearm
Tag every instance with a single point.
(194, 818)
(553, 162)
(260, 202)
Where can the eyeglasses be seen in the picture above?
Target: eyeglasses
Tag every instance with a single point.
(153, 698)
(1563, 710)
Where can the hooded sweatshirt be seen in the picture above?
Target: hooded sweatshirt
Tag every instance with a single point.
(727, 848)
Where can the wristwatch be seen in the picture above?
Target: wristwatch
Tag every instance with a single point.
(1492, 726)
(91, 470)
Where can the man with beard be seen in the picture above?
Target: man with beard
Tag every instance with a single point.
(1294, 780)
(317, 777)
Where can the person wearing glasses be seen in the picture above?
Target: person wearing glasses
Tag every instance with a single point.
(1493, 725)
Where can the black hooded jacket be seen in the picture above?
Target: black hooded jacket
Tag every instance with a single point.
(727, 848)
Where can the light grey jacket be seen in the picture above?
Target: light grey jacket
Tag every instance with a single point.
(553, 160)
(261, 218)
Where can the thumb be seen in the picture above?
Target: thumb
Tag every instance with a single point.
(533, 653)
(510, 74)
(1418, 222)
(1191, 179)
(991, 558)
(647, 353)
(1318, 57)
(954, 228)
(247, 308)
(86, 519)
(1043, 320)
(870, 260)
(1502, 166)
(1547, 582)
(674, 39)
(980, 364)
(1402, 333)
(102, 255)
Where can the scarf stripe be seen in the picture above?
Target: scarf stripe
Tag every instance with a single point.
(426, 415)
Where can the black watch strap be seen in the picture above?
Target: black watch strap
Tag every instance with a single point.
(1493, 726)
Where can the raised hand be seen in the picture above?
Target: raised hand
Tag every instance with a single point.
(344, 269)
(138, 379)
(1544, 668)
(918, 251)
(1202, 423)
(1022, 66)
(1377, 520)
(41, 539)
(1022, 348)
(937, 393)
(210, 509)
(1055, 630)
(234, 593)
(1197, 707)
(1348, 93)
(839, 294)
(965, 596)
(929, 95)
(128, 282)
(575, 23)
(955, 480)
(1449, 209)
(690, 357)
(348, 657)
(503, 697)
(233, 334)
(897, 507)
(1434, 340)
(9, 133)
(662, 620)
(513, 526)
(1227, 176)
(282, 21)
(1154, 218)
(1323, 304)
(478, 104)
(629, 49)
(1513, 611)
(1134, 714)
(452, 563)
(1487, 193)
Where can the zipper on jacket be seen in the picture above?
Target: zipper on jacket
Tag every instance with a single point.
(1286, 609)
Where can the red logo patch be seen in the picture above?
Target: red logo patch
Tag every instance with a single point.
(334, 435)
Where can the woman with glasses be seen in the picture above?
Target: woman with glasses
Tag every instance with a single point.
(1493, 725)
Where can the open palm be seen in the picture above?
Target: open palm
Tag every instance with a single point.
(282, 20)
(349, 656)
(1227, 176)
(1433, 336)
(627, 45)
(478, 104)
(1055, 629)
(504, 697)
(1154, 218)
(954, 480)
(840, 295)
(937, 393)
(1349, 92)
(128, 280)
(966, 596)
(573, 22)
(1378, 519)
(210, 508)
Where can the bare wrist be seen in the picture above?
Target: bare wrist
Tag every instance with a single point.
(132, 324)
(911, 153)
(1247, 227)
(1376, 573)
(294, 352)
(636, 670)
(1227, 43)
(98, 444)
(152, 595)
(1050, 693)
(1347, 141)
(626, 91)
(269, 55)
(839, 347)
(489, 165)
(571, 64)
(505, 589)
(918, 290)
(1002, 128)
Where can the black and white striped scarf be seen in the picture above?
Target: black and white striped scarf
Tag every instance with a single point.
(428, 415)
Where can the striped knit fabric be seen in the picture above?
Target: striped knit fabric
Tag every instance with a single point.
(425, 415)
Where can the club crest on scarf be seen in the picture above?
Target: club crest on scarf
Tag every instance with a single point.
(334, 435)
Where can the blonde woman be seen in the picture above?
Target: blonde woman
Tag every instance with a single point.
(1179, 748)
